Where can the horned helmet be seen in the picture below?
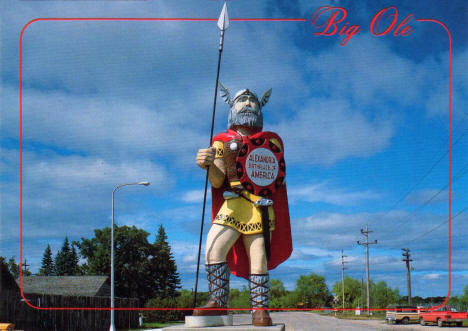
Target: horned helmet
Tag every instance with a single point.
(246, 109)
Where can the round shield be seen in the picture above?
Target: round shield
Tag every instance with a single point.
(260, 163)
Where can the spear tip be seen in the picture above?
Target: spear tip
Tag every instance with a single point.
(223, 20)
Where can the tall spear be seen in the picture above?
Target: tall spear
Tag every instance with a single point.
(223, 24)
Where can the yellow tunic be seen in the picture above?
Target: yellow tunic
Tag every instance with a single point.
(239, 213)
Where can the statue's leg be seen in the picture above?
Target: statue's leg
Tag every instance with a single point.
(218, 243)
(259, 279)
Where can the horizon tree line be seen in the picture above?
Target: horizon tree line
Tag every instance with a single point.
(143, 270)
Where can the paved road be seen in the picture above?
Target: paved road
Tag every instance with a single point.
(302, 321)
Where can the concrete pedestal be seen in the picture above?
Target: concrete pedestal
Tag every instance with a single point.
(241, 327)
(207, 321)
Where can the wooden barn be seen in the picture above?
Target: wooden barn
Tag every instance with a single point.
(53, 294)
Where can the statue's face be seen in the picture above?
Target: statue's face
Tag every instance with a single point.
(247, 103)
(246, 112)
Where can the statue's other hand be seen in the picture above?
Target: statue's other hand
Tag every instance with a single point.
(205, 157)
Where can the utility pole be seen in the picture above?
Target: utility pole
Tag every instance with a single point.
(367, 243)
(362, 290)
(406, 254)
(25, 265)
(342, 277)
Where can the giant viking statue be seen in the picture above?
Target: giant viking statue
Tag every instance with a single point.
(250, 232)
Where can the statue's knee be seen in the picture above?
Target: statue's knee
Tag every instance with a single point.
(258, 265)
(215, 255)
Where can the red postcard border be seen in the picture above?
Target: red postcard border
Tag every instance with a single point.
(215, 19)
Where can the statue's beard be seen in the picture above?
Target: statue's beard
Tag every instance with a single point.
(245, 117)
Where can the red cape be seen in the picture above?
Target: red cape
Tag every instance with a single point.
(281, 243)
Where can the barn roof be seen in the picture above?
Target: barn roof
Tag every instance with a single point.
(67, 285)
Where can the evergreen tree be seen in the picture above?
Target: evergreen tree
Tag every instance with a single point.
(76, 259)
(48, 266)
(13, 267)
(65, 262)
(165, 275)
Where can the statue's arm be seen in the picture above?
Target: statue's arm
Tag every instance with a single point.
(216, 167)
(216, 173)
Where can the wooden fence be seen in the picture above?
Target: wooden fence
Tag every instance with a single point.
(13, 309)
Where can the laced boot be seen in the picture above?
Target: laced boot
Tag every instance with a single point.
(218, 285)
(260, 298)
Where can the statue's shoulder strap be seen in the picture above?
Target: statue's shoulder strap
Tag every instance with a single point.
(225, 136)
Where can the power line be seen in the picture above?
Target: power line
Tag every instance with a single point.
(463, 171)
(460, 173)
(437, 226)
(407, 192)
(406, 243)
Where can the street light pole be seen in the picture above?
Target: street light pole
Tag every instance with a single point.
(112, 324)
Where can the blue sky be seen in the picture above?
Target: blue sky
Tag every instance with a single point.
(364, 126)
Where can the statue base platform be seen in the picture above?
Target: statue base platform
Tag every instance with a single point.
(207, 321)
(219, 323)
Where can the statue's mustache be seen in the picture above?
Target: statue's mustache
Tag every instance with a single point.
(247, 109)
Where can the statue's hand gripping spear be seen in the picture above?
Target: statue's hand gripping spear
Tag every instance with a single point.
(223, 24)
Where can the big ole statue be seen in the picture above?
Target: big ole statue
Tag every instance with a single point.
(250, 232)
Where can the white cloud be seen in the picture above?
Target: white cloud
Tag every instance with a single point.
(189, 259)
(393, 230)
(105, 127)
(73, 193)
(427, 196)
(322, 192)
(194, 196)
(70, 173)
(372, 73)
(432, 276)
(308, 253)
(438, 101)
(327, 130)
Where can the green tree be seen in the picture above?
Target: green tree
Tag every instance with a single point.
(277, 289)
(48, 266)
(289, 300)
(131, 249)
(77, 268)
(352, 289)
(464, 299)
(381, 295)
(14, 268)
(239, 298)
(313, 291)
(278, 292)
(142, 270)
(66, 264)
(164, 267)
